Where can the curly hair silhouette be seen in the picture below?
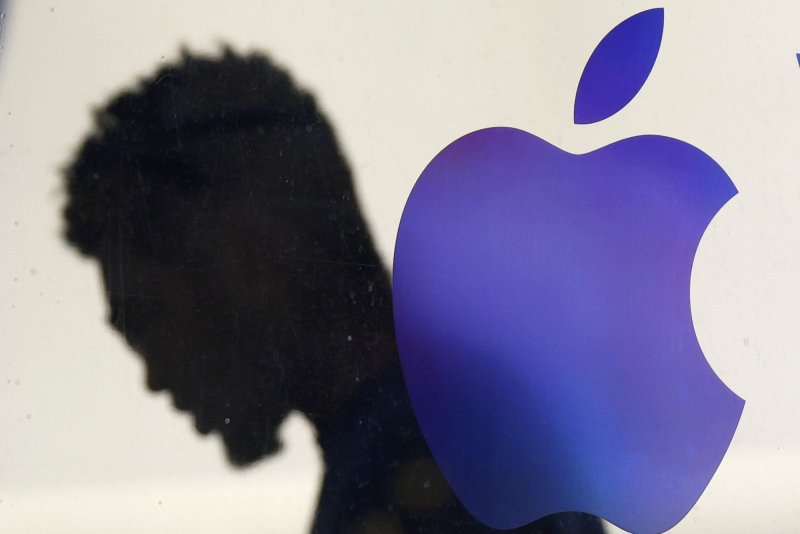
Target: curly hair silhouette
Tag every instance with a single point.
(237, 264)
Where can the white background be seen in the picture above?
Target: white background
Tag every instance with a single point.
(83, 446)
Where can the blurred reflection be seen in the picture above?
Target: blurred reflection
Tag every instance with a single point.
(236, 262)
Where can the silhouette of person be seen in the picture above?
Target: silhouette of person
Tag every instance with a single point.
(237, 264)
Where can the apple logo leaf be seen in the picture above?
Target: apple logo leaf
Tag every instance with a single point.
(619, 66)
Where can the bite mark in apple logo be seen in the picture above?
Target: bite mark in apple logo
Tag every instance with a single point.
(543, 314)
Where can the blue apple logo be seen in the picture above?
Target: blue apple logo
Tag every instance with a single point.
(543, 316)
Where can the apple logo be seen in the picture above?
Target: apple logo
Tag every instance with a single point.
(543, 317)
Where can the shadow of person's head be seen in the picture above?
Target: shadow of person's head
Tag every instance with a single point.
(234, 256)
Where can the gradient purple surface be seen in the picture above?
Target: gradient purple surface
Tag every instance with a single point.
(545, 331)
